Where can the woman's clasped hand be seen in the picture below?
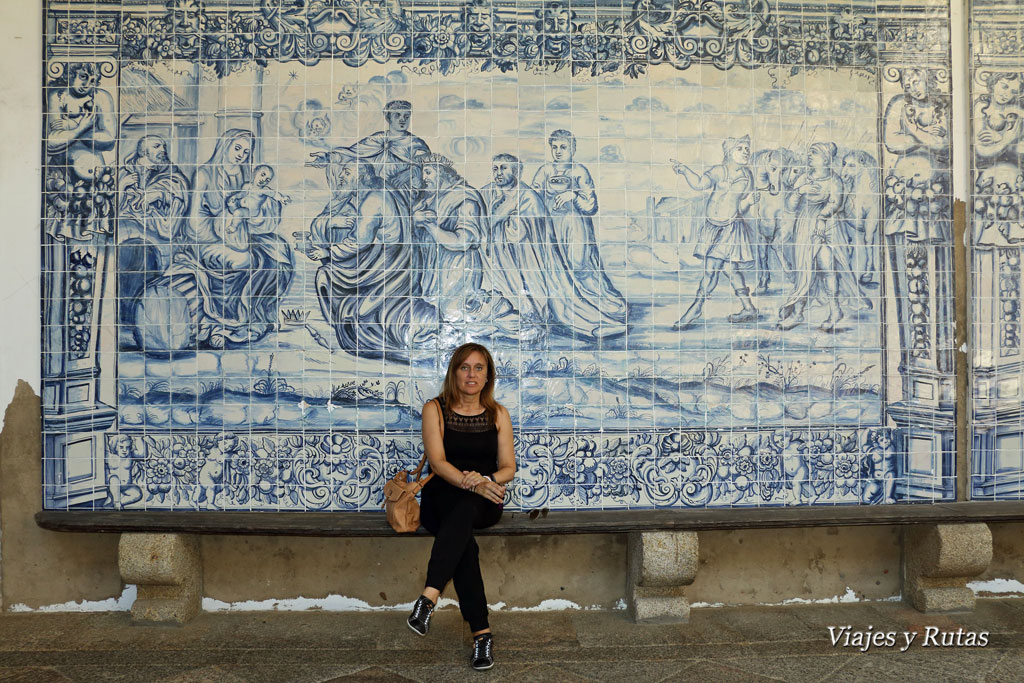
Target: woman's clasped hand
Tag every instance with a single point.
(484, 486)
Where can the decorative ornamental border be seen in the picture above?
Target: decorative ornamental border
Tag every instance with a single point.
(584, 38)
(334, 471)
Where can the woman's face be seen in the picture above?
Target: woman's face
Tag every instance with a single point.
(917, 85)
(471, 375)
(1005, 91)
(238, 150)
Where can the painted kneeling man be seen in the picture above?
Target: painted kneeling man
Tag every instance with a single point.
(520, 233)
(362, 239)
(451, 231)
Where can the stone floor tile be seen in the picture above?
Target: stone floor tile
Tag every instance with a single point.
(532, 630)
(204, 674)
(373, 674)
(707, 671)
(457, 673)
(734, 644)
(32, 675)
(140, 673)
(634, 670)
(268, 673)
(615, 629)
(1010, 667)
(795, 668)
(548, 673)
(937, 666)
(881, 615)
(393, 633)
(767, 623)
(993, 616)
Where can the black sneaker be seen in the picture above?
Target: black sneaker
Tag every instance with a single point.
(419, 619)
(483, 652)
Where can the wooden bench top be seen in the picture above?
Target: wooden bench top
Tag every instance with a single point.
(530, 523)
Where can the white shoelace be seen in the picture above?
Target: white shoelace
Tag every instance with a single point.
(422, 606)
(487, 644)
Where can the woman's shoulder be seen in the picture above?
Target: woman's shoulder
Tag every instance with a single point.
(431, 413)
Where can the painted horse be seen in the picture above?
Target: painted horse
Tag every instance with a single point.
(774, 176)
(860, 213)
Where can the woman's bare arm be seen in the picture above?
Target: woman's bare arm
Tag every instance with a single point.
(494, 489)
(433, 443)
(506, 450)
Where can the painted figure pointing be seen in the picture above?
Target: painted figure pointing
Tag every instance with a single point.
(725, 240)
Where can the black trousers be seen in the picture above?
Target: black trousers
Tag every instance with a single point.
(451, 514)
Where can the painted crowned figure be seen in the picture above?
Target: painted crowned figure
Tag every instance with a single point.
(450, 236)
(525, 261)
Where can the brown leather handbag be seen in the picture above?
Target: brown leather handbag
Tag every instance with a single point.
(400, 493)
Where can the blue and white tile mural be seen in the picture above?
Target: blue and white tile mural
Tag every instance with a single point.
(997, 67)
(709, 244)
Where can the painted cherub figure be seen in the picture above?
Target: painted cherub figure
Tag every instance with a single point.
(211, 473)
(255, 199)
(255, 194)
(122, 472)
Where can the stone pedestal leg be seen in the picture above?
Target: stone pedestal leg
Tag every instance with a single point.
(168, 571)
(939, 560)
(660, 566)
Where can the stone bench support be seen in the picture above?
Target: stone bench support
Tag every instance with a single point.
(168, 571)
(939, 560)
(660, 565)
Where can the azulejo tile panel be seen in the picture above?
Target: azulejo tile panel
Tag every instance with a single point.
(997, 67)
(709, 245)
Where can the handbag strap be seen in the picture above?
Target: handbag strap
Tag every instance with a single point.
(423, 460)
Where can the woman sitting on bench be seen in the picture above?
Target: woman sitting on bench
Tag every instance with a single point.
(473, 457)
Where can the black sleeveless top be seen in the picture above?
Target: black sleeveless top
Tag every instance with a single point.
(470, 441)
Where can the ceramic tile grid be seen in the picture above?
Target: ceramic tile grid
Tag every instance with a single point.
(997, 66)
(709, 245)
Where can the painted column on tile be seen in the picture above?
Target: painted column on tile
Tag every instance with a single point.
(917, 224)
(79, 214)
(997, 67)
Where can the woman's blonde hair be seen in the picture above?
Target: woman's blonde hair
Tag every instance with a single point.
(450, 393)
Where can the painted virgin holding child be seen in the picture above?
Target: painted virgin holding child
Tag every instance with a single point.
(226, 281)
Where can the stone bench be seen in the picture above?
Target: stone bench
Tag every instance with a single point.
(944, 545)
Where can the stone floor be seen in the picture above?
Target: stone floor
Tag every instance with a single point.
(729, 644)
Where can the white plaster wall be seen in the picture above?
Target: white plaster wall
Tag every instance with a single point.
(20, 121)
(21, 40)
